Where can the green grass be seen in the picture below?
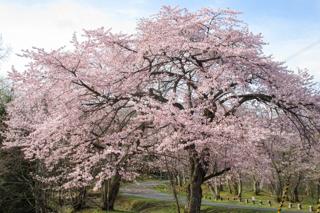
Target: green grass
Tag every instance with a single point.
(134, 205)
(229, 198)
(230, 210)
(143, 205)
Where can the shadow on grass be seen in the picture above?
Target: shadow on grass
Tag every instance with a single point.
(230, 210)
(91, 210)
(146, 205)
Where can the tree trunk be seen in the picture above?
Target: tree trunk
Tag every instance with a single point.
(39, 192)
(198, 175)
(256, 187)
(284, 194)
(215, 190)
(179, 180)
(220, 186)
(175, 194)
(229, 186)
(173, 185)
(318, 191)
(110, 192)
(79, 201)
(40, 200)
(211, 187)
(277, 188)
(295, 192)
(194, 191)
(184, 179)
(235, 187)
(239, 187)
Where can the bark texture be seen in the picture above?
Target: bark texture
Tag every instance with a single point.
(110, 192)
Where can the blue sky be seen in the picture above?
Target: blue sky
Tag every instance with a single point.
(291, 27)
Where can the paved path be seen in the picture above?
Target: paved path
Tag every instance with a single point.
(145, 190)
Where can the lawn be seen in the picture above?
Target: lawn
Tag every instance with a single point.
(142, 205)
(229, 198)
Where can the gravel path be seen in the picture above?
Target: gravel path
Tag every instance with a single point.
(145, 190)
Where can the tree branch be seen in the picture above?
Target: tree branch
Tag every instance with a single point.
(215, 174)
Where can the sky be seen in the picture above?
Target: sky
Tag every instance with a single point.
(290, 27)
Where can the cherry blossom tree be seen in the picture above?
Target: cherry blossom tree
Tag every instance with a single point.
(286, 156)
(66, 127)
(311, 172)
(205, 67)
(191, 82)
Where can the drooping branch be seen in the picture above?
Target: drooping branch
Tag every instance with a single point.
(216, 174)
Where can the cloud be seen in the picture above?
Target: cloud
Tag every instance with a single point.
(50, 25)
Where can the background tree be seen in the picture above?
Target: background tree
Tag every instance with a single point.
(15, 182)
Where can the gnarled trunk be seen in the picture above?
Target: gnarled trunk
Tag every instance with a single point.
(110, 191)
(198, 175)
(194, 191)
